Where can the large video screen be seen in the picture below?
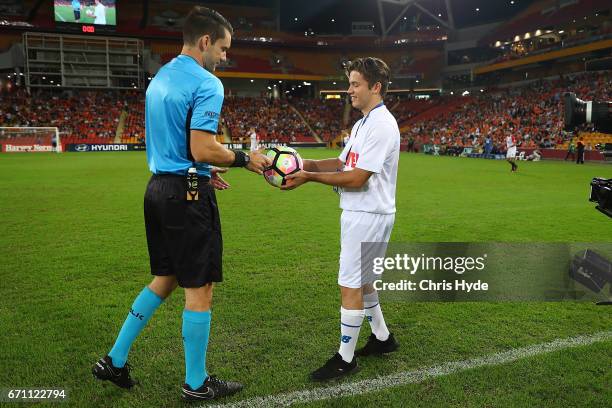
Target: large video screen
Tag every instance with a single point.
(100, 12)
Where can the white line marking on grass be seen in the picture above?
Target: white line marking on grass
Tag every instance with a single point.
(416, 376)
(59, 16)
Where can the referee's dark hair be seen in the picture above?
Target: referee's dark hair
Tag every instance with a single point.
(201, 21)
(373, 70)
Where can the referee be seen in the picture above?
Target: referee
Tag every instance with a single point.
(183, 104)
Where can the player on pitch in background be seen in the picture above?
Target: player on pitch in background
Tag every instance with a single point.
(511, 152)
(182, 108)
(366, 174)
(253, 138)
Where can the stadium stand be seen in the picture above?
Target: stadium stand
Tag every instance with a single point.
(531, 113)
(549, 25)
(545, 13)
(324, 116)
(274, 121)
(82, 116)
(133, 127)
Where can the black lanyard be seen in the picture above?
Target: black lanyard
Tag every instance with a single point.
(359, 127)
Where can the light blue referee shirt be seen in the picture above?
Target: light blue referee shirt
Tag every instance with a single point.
(182, 96)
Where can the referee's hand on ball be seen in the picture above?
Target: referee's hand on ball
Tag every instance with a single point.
(295, 180)
(259, 162)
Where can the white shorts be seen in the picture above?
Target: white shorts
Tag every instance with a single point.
(511, 153)
(253, 145)
(357, 227)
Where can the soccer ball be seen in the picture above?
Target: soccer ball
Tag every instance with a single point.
(89, 13)
(285, 161)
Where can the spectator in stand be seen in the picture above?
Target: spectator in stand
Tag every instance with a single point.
(410, 144)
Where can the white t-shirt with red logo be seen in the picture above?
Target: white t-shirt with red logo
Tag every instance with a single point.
(510, 141)
(374, 145)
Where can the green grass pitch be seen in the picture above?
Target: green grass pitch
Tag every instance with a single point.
(74, 256)
(66, 14)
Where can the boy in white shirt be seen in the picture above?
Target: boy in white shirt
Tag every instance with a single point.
(99, 13)
(366, 175)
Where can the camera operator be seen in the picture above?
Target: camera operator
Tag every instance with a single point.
(580, 151)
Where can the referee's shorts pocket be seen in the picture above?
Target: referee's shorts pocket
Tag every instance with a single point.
(174, 212)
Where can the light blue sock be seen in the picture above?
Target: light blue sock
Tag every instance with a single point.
(142, 309)
(196, 328)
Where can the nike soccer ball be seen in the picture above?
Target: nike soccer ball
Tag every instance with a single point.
(285, 161)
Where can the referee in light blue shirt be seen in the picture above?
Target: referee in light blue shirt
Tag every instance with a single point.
(182, 109)
(76, 8)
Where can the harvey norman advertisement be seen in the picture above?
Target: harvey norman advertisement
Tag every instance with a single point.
(26, 148)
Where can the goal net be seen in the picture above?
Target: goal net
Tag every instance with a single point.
(30, 139)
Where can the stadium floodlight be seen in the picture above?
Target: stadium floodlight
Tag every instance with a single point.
(30, 139)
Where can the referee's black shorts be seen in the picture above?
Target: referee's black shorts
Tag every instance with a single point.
(184, 237)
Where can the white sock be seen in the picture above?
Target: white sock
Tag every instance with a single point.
(374, 315)
(350, 323)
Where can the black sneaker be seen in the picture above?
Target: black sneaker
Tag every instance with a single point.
(375, 347)
(105, 370)
(335, 367)
(212, 388)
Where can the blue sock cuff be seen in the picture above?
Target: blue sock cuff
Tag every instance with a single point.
(152, 296)
(196, 317)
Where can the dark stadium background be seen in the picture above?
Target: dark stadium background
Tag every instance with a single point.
(507, 60)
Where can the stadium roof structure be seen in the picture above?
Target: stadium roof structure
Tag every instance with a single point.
(326, 16)
(387, 18)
